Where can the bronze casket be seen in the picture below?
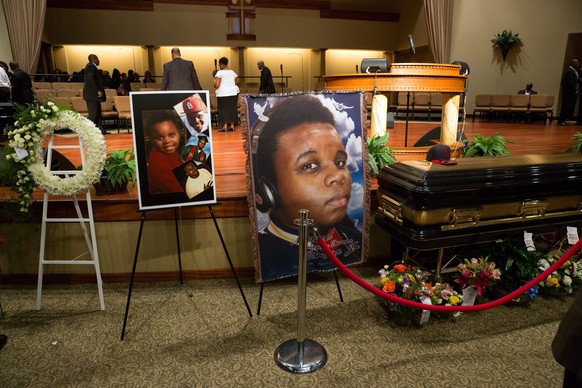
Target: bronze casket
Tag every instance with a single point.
(426, 205)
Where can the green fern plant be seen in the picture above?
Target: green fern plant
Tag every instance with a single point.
(380, 154)
(577, 146)
(505, 41)
(494, 145)
(120, 167)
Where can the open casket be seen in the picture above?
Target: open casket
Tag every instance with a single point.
(426, 205)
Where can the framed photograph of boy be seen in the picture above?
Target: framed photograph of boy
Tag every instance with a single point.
(173, 148)
(306, 151)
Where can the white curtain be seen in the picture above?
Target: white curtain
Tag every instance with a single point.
(439, 19)
(25, 22)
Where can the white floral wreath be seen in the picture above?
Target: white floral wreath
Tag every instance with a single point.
(27, 141)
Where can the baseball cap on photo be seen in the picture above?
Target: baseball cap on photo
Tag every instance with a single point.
(193, 104)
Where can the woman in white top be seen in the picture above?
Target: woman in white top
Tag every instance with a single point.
(226, 95)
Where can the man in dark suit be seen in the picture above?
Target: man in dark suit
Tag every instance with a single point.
(179, 74)
(528, 90)
(569, 91)
(267, 85)
(94, 91)
(21, 85)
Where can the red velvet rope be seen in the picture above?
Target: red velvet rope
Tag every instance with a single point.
(406, 302)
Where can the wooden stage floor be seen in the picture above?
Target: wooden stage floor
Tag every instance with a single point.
(229, 156)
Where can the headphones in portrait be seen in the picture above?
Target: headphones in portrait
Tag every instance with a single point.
(266, 193)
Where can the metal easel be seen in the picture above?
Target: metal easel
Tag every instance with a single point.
(143, 213)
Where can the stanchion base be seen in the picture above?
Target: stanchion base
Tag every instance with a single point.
(300, 357)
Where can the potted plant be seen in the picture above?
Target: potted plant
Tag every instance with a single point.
(505, 41)
(494, 145)
(577, 146)
(118, 171)
(518, 265)
(380, 153)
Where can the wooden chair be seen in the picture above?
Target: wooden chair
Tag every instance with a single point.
(538, 104)
(214, 111)
(63, 102)
(421, 104)
(80, 106)
(550, 107)
(123, 108)
(482, 105)
(436, 103)
(42, 85)
(61, 85)
(519, 106)
(108, 112)
(110, 93)
(76, 85)
(500, 103)
(68, 92)
(401, 102)
(44, 95)
(152, 85)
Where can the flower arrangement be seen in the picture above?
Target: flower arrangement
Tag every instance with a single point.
(477, 273)
(564, 280)
(444, 295)
(406, 282)
(33, 124)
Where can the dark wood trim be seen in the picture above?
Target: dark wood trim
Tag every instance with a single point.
(324, 6)
(128, 210)
(293, 4)
(348, 14)
(114, 5)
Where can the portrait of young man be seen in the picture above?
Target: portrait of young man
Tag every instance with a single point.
(306, 153)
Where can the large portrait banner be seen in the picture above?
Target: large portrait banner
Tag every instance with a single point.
(306, 151)
(173, 148)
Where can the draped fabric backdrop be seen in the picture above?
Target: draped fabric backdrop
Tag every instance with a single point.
(25, 22)
(439, 20)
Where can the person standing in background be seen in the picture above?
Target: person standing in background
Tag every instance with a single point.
(226, 95)
(21, 85)
(267, 85)
(569, 92)
(4, 83)
(179, 74)
(94, 91)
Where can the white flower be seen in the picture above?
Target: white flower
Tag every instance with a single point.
(567, 280)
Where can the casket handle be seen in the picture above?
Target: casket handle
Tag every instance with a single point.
(390, 208)
(462, 218)
(532, 209)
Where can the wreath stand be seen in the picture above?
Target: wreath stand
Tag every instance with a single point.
(90, 237)
(143, 214)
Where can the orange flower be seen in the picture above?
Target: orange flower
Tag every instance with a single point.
(400, 268)
(389, 286)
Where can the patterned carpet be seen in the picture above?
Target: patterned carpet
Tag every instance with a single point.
(200, 335)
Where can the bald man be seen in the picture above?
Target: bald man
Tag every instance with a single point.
(179, 74)
(267, 85)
